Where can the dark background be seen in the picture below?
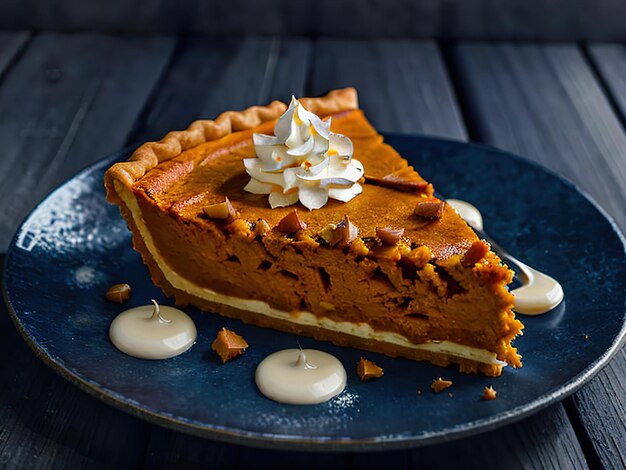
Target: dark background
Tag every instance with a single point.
(597, 20)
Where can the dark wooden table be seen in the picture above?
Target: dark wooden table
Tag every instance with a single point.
(68, 100)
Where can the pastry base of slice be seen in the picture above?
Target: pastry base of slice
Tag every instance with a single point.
(342, 333)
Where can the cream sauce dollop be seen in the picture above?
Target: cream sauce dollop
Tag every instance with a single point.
(300, 376)
(153, 332)
(539, 293)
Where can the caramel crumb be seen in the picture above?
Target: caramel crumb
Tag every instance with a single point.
(475, 253)
(221, 210)
(238, 226)
(290, 224)
(345, 233)
(419, 391)
(440, 385)
(359, 248)
(228, 345)
(262, 228)
(585, 337)
(367, 370)
(391, 253)
(389, 236)
(119, 293)
(398, 183)
(419, 256)
(431, 208)
(489, 393)
(326, 234)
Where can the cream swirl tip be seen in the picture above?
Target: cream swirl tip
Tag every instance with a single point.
(304, 161)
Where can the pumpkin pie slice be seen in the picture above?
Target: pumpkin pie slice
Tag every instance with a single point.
(302, 219)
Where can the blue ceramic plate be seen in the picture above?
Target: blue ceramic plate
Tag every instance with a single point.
(74, 245)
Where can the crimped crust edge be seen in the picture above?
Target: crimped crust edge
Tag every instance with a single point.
(150, 154)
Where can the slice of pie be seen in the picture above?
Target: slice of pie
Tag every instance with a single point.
(315, 226)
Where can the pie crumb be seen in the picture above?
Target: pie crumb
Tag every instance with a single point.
(489, 393)
(440, 385)
(367, 370)
(119, 293)
(228, 345)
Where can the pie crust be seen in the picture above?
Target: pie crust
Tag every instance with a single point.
(423, 299)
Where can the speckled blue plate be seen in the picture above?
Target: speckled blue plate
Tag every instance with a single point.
(74, 245)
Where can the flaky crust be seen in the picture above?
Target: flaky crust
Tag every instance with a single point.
(150, 154)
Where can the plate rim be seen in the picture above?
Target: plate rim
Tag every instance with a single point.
(306, 443)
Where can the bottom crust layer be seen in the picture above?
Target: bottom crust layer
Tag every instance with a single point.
(337, 338)
(183, 298)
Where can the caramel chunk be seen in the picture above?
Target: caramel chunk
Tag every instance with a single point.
(430, 208)
(119, 293)
(367, 370)
(228, 345)
(391, 253)
(440, 385)
(475, 253)
(238, 226)
(389, 236)
(489, 393)
(397, 183)
(326, 234)
(359, 248)
(419, 256)
(221, 210)
(262, 228)
(291, 223)
(345, 233)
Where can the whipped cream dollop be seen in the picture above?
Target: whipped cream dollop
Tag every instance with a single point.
(304, 161)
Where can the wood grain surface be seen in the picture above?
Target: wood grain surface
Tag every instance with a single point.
(67, 100)
(610, 62)
(544, 103)
(403, 85)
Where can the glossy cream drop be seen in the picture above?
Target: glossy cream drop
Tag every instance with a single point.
(539, 292)
(153, 332)
(300, 376)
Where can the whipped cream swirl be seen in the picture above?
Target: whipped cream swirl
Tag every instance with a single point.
(303, 162)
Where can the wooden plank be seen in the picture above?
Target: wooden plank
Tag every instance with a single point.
(210, 76)
(598, 412)
(47, 422)
(10, 45)
(544, 103)
(404, 86)
(513, 19)
(69, 100)
(610, 61)
(593, 410)
(530, 444)
(545, 440)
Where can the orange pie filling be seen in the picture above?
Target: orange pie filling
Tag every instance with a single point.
(424, 294)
